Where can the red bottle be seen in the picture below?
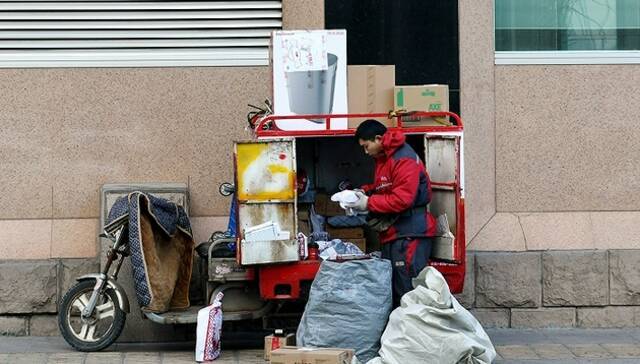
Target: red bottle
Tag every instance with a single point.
(313, 251)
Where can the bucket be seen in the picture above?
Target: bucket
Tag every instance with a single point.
(311, 92)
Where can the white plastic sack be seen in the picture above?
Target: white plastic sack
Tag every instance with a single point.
(209, 330)
(430, 326)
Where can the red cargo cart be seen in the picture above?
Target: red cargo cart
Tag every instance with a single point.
(280, 273)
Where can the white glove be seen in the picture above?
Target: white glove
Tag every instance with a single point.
(361, 203)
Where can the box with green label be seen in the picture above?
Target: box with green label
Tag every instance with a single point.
(422, 98)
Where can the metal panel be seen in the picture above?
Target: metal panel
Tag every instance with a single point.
(261, 252)
(43, 5)
(265, 252)
(440, 157)
(139, 24)
(258, 213)
(441, 163)
(162, 33)
(444, 248)
(128, 15)
(266, 170)
(133, 43)
(187, 53)
(266, 191)
(109, 193)
(444, 202)
(134, 33)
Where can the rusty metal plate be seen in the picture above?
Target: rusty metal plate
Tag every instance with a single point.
(440, 158)
(444, 202)
(443, 248)
(261, 252)
(265, 170)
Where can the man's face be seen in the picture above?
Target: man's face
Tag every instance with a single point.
(372, 147)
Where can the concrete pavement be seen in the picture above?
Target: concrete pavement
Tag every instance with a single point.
(614, 346)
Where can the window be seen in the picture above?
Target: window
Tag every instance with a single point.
(568, 29)
(419, 37)
(125, 33)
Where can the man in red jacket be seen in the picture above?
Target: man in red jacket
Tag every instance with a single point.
(397, 201)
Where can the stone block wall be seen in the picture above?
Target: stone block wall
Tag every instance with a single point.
(554, 289)
(536, 289)
(30, 291)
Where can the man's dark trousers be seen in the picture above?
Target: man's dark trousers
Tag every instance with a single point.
(408, 257)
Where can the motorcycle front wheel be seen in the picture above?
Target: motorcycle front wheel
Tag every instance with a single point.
(97, 331)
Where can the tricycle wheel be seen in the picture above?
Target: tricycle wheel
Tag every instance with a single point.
(96, 332)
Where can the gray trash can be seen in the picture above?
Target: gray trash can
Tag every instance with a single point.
(311, 92)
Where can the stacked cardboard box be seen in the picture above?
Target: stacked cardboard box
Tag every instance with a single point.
(273, 342)
(422, 98)
(304, 225)
(353, 235)
(371, 91)
(325, 207)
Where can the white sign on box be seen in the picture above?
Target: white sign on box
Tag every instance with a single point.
(304, 52)
(309, 77)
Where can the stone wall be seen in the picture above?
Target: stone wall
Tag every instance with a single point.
(559, 289)
(542, 289)
(30, 291)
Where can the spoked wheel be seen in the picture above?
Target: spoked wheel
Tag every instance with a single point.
(97, 331)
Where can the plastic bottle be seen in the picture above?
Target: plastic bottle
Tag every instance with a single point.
(313, 250)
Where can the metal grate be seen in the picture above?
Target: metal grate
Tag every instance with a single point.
(120, 33)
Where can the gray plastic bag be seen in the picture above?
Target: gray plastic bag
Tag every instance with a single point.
(348, 306)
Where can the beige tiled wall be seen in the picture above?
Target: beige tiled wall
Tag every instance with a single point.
(303, 14)
(551, 148)
(65, 132)
(560, 231)
(477, 110)
(74, 238)
(567, 137)
(25, 239)
(96, 126)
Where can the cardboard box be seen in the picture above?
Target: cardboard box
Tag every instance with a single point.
(422, 98)
(293, 355)
(371, 91)
(303, 214)
(309, 76)
(325, 207)
(272, 343)
(304, 227)
(345, 233)
(320, 203)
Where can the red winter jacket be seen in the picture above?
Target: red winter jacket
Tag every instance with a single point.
(401, 184)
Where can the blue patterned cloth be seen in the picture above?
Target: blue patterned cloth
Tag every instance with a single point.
(346, 221)
(169, 216)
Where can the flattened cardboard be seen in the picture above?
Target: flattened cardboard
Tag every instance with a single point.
(272, 342)
(294, 355)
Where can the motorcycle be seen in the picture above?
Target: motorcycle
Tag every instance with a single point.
(93, 312)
